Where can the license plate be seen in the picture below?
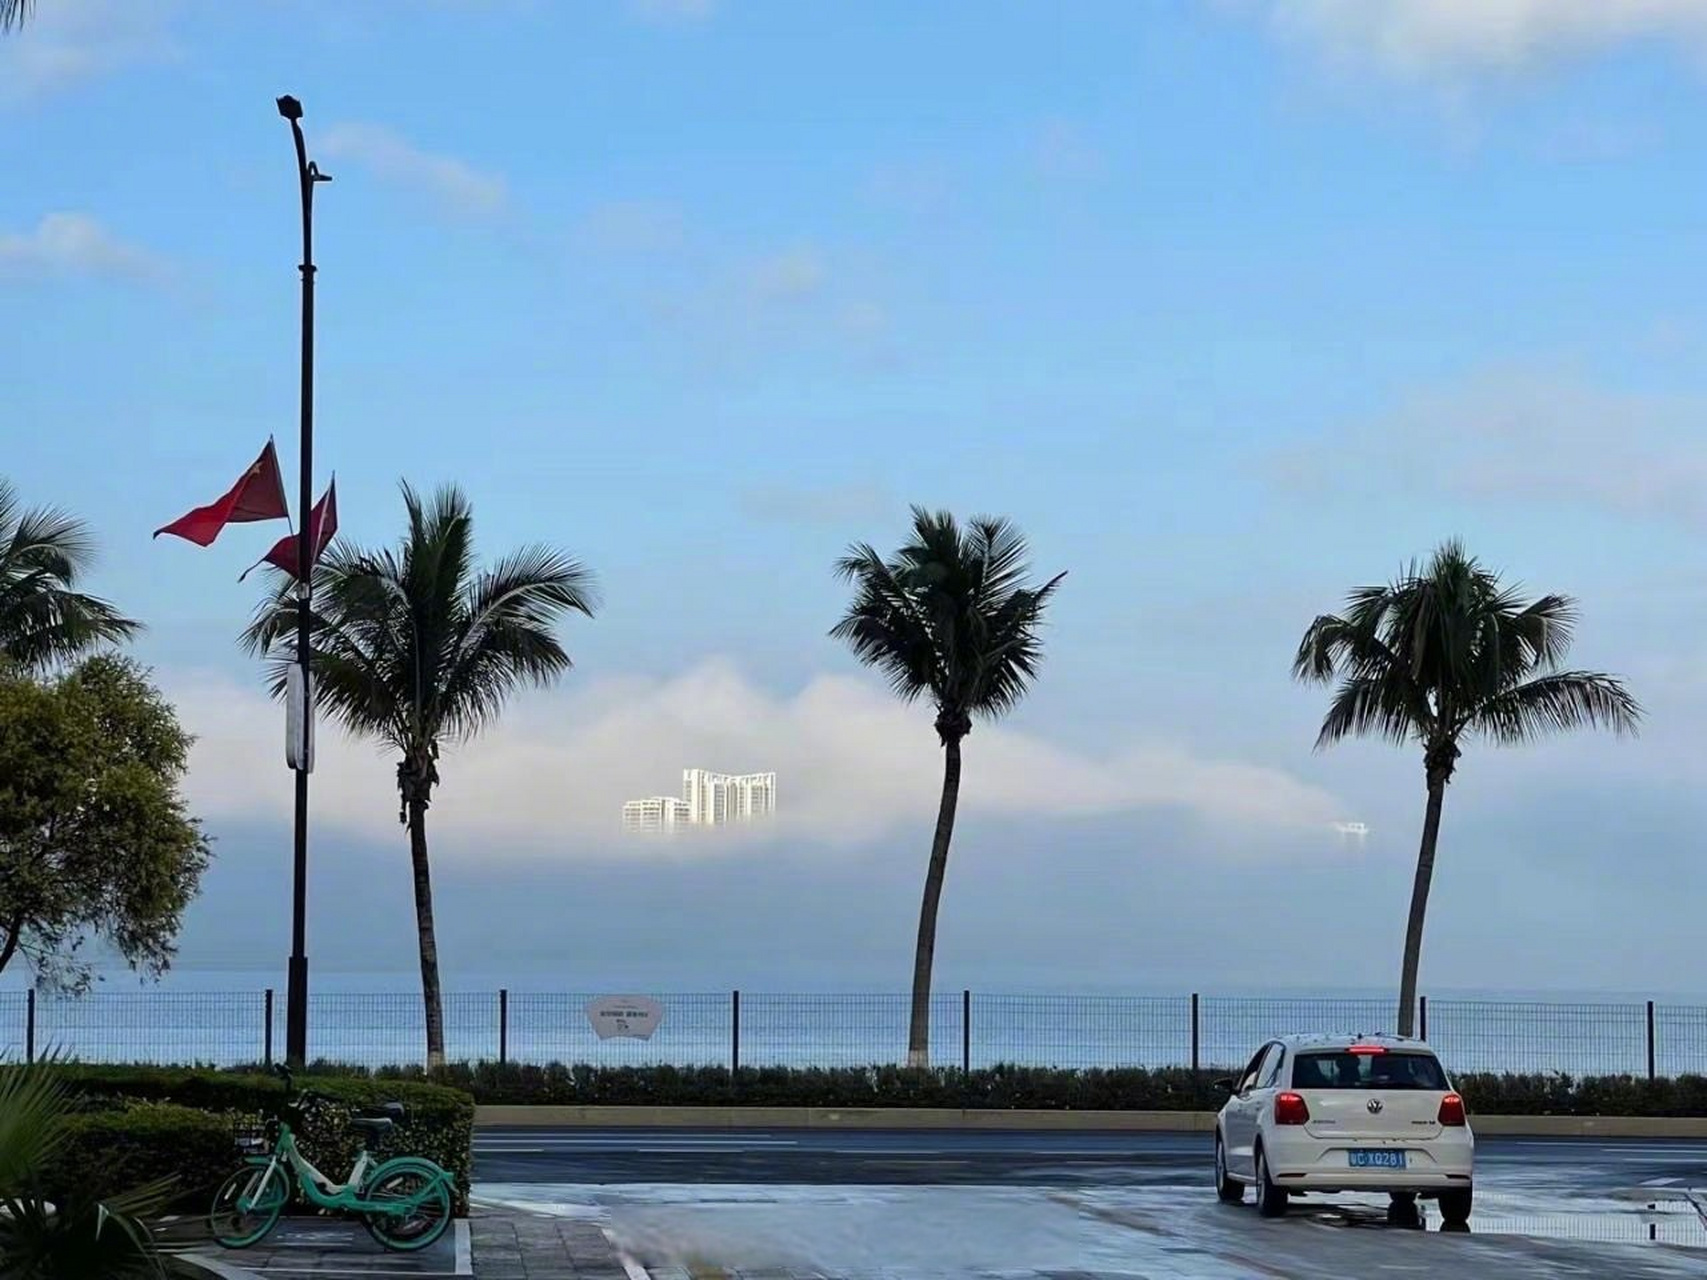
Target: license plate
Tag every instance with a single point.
(1377, 1159)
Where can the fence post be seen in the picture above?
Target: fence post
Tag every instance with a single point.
(966, 1033)
(503, 1025)
(30, 1026)
(1422, 1017)
(1194, 1032)
(267, 1028)
(734, 1035)
(1650, 1039)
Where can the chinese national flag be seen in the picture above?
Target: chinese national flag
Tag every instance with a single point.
(258, 495)
(322, 525)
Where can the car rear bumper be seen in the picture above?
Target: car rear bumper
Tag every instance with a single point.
(1309, 1164)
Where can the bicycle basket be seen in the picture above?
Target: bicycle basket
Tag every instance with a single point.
(255, 1138)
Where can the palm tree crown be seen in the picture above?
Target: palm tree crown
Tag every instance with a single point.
(13, 13)
(1447, 650)
(44, 619)
(949, 616)
(410, 645)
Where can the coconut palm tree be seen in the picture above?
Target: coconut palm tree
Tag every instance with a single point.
(1443, 653)
(950, 617)
(414, 647)
(44, 619)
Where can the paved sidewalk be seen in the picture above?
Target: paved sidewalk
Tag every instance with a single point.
(514, 1245)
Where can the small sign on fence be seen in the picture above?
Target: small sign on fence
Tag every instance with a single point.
(630, 1017)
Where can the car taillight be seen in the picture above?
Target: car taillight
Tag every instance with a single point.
(1367, 1048)
(1451, 1110)
(1289, 1108)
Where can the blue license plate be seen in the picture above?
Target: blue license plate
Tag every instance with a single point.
(1377, 1159)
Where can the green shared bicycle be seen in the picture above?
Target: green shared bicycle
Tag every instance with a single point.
(404, 1202)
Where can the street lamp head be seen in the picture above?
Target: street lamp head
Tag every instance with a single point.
(290, 108)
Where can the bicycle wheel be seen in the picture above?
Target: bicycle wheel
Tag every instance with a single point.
(422, 1225)
(263, 1190)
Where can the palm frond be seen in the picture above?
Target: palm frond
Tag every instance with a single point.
(13, 13)
(1372, 706)
(44, 618)
(1558, 702)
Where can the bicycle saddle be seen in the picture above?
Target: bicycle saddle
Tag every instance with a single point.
(375, 1126)
(392, 1111)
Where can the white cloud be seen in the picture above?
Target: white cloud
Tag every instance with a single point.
(75, 244)
(1528, 432)
(836, 506)
(791, 275)
(852, 763)
(1427, 37)
(632, 226)
(68, 42)
(457, 186)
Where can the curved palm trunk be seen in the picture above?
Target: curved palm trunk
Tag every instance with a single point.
(430, 997)
(1419, 905)
(919, 1026)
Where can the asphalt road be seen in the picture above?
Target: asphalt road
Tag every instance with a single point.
(951, 1157)
(940, 1204)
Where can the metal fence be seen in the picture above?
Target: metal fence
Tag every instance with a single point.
(743, 1029)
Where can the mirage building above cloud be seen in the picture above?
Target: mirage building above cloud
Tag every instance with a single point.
(707, 800)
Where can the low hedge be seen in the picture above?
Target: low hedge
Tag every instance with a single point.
(1008, 1087)
(119, 1148)
(440, 1120)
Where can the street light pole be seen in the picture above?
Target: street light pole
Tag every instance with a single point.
(296, 999)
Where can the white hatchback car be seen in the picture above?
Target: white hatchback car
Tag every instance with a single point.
(1345, 1113)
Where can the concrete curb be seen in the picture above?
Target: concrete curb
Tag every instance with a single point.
(487, 1117)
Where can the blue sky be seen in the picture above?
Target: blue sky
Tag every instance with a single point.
(1231, 305)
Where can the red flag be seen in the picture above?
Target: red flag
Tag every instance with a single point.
(258, 495)
(322, 524)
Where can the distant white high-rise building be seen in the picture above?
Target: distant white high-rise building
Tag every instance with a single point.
(708, 800)
(717, 798)
(655, 813)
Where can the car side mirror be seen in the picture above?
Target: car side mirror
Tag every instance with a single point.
(1225, 1084)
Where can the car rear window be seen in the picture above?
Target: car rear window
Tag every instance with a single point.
(1342, 1070)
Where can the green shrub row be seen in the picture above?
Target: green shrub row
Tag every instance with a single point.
(118, 1148)
(1007, 1087)
(148, 1115)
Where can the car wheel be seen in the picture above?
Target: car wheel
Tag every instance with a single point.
(1271, 1200)
(1228, 1190)
(1455, 1206)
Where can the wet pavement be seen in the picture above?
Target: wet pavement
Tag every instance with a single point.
(907, 1206)
(339, 1249)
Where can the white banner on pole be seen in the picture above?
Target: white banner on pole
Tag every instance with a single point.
(299, 721)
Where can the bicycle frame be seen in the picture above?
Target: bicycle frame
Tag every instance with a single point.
(321, 1191)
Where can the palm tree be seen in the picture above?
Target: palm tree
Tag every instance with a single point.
(44, 619)
(1444, 652)
(414, 647)
(13, 13)
(949, 617)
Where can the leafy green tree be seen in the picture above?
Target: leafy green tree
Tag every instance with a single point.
(415, 647)
(95, 839)
(952, 617)
(44, 619)
(1442, 653)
